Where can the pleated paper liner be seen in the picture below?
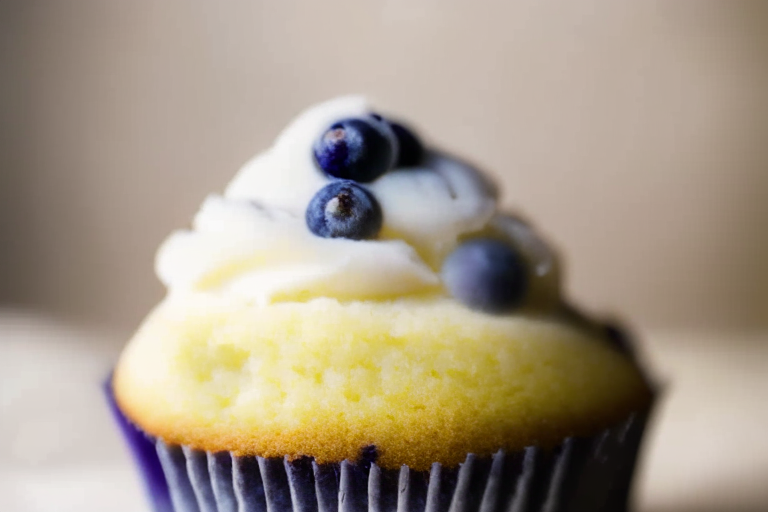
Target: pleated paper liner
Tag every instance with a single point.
(582, 474)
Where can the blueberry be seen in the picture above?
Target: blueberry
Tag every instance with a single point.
(411, 152)
(368, 455)
(542, 261)
(359, 149)
(344, 209)
(486, 274)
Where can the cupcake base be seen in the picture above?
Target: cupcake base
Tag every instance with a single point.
(581, 474)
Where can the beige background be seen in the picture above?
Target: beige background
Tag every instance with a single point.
(634, 133)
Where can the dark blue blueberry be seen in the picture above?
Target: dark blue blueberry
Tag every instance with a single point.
(486, 274)
(410, 150)
(356, 149)
(368, 455)
(344, 209)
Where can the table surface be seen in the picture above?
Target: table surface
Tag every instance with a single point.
(707, 449)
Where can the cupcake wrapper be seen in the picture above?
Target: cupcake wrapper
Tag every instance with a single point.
(581, 474)
(144, 454)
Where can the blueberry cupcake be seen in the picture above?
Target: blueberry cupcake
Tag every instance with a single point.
(353, 325)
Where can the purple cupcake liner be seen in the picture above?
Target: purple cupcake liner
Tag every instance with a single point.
(142, 448)
(582, 474)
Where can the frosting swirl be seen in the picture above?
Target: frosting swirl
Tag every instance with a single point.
(252, 241)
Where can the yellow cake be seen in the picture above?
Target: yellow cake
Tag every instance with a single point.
(277, 340)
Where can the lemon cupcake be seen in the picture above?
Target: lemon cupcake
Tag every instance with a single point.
(353, 325)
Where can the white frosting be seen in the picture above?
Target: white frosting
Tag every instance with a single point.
(253, 240)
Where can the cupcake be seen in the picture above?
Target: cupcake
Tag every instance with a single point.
(353, 325)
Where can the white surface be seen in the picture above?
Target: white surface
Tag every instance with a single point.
(708, 448)
(59, 451)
